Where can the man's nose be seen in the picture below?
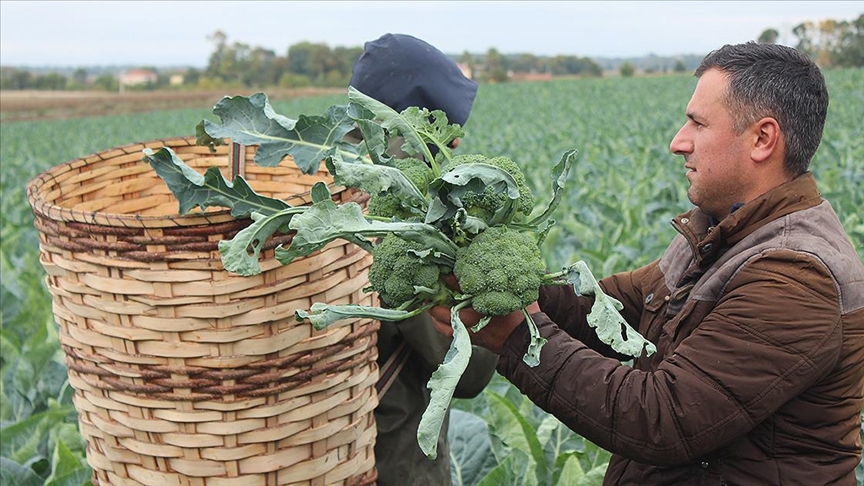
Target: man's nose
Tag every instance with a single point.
(681, 144)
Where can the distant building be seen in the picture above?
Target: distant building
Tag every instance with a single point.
(530, 76)
(176, 79)
(137, 77)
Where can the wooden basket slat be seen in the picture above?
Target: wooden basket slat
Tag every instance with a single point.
(274, 433)
(144, 205)
(192, 441)
(228, 309)
(127, 333)
(245, 480)
(154, 450)
(149, 477)
(234, 453)
(185, 373)
(112, 428)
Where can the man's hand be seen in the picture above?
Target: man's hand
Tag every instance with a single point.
(493, 335)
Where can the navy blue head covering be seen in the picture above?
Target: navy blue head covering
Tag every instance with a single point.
(401, 71)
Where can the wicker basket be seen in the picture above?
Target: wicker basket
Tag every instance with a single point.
(183, 373)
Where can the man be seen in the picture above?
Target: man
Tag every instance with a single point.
(756, 307)
(402, 71)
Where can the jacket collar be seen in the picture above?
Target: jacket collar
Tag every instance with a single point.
(710, 240)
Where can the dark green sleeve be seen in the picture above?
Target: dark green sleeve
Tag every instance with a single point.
(430, 346)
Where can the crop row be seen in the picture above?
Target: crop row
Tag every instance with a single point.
(623, 192)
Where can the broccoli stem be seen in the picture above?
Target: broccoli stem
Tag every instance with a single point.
(436, 171)
(557, 278)
(420, 310)
(370, 217)
(444, 149)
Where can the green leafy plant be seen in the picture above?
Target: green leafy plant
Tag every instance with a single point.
(39, 445)
(448, 219)
(501, 437)
(615, 218)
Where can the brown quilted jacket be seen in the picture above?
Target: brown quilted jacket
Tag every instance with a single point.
(758, 377)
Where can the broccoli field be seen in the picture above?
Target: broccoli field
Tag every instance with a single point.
(623, 191)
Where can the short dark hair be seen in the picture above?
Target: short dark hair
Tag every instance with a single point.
(776, 81)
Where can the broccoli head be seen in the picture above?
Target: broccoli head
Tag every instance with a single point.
(502, 269)
(484, 205)
(395, 271)
(388, 205)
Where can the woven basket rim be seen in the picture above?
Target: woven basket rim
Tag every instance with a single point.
(56, 212)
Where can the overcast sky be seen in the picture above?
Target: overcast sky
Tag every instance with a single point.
(173, 33)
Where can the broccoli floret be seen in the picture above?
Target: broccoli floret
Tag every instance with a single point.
(395, 272)
(484, 205)
(502, 269)
(417, 171)
(388, 205)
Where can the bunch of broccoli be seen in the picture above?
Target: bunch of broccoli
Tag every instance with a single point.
(500, 269)
(428, 216)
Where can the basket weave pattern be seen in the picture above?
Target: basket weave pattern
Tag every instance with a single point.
(185, 374)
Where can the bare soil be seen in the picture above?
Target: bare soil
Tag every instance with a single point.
(48, 105)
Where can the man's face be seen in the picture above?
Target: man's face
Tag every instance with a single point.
(714, 155)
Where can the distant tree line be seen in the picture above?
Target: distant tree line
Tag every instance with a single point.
(305, 64)
(830, 43)
(311, 64)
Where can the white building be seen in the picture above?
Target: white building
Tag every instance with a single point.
(136, 77)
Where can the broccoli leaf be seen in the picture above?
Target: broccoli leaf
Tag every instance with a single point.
(325, 221)
(391, 121)
(448, 189)
(611, 328)
(560, 173)
(309, 139)
(467, 223)
(442, 384)
(321, 315)
(532, 354)
(375, 179)
(374, 138)
(192, 189)
(320, 192)
(413, 125)
(240, 254)
(439, 132)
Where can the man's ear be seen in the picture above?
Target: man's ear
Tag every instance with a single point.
(454, 143)
(767, 137)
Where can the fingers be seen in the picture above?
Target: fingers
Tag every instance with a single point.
(468, 316)
(443, 327)
(452, 282)
(440, 313)
(493, 335)
(441, 320)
